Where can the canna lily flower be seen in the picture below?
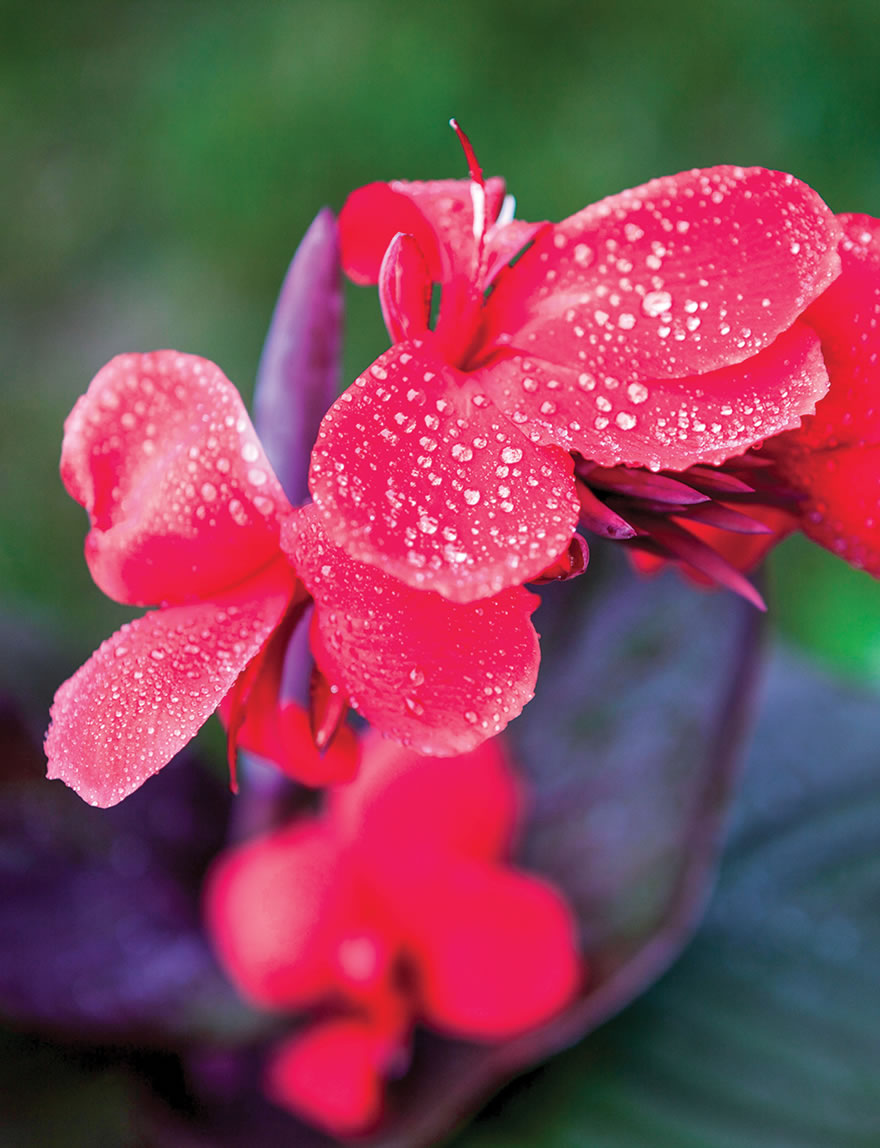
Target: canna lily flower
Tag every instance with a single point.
(187, 515)
(323, 917)
(662, 328)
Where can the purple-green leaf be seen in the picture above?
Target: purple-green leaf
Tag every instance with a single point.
(767, 1033)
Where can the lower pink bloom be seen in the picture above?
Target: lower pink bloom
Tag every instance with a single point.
(395, 905)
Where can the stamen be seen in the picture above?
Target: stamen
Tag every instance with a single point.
(478, 184)
(476, 172)
(507, 212)
(478, 199)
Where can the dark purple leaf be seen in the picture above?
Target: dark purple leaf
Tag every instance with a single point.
(100, 910)
(299, 373)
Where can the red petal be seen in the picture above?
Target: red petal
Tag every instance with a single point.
(683, 275)
(402, 804)
(570, 565)
(147, 689)
(438, 214)
(835, 457)
(404, 289)
(842, 506)
(276, 909)
(182, 501)
(847, 319)
(435, 675)
(495, 949)
(506, 241)
(663, 423)
(331, 1074)
(277, 728)
(369, 220)
(281, 733)
(745, 552)
(418, 474)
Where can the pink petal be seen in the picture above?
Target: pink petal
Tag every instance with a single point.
(402, 804)
(434, 675)
(276, 908)
(686, 274)
(147, 689)
(495, 949)
(665, 424)
(416, 472)
(331, 1074)
(182, 501)
(438, 214)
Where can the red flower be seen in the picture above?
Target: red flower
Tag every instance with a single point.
(186, 513)
(662, 327)
(395, 905)
(821, 478)
(833, 460)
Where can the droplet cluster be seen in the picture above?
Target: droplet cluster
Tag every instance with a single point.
(148, 688)
(435, 675)
(417, 470)
(683, 275)
(182, 500)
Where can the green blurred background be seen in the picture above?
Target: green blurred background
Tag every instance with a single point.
(161, 160)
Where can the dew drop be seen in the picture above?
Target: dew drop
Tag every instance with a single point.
(656, 303)
(637, 392)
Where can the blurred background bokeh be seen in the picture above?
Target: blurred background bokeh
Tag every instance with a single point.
(160, 161)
